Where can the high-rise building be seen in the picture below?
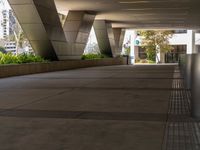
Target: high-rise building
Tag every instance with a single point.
(12, 22)
(8, 22)
(5, 23)
(5, 15)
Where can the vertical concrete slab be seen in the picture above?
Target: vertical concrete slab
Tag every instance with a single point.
(77, 28)
(119, 38)
(105, 37)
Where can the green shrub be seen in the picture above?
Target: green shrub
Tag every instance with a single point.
(9, 58)
(24, 58)
(151, 62)
(93, 56)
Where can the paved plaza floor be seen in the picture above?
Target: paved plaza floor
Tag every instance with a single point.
(100, 108)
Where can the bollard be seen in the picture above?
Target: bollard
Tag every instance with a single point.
(195, 86)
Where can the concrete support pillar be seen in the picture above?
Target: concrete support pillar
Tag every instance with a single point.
(119, 39)
(191, 48)
(40, 22)
(132, 52)
(193, 77)
(77, 28)
(105, 37)
(187, 71)
(191, 73)
(195, 86)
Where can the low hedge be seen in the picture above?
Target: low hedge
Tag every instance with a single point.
(93, 56)
(9, 58)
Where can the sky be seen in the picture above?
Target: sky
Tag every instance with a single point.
(4, 4)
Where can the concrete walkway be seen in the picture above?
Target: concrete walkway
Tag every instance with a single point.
(104, 108)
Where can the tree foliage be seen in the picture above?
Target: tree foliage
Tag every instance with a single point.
(155, 41)
(2, 49)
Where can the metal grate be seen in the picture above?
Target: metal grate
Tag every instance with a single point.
(182, 132)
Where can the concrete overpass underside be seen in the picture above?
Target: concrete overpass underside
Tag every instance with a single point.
(139, 13)
(55, 40)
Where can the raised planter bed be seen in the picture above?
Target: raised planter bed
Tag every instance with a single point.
(32, 68)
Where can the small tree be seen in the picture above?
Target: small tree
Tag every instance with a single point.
(156, 41)
(19, 37)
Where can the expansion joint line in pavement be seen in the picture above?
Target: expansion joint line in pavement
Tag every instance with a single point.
(182, 132)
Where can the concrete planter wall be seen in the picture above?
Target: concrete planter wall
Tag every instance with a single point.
(32, 68)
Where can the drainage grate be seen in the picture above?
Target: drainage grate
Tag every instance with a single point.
(182, 132)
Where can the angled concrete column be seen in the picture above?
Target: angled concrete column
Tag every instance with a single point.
(105, 37)
(40, 22)
(77, 28)
(119, 39)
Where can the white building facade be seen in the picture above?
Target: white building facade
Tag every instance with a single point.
(10, 47)
(190, 39)
(183, 42)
